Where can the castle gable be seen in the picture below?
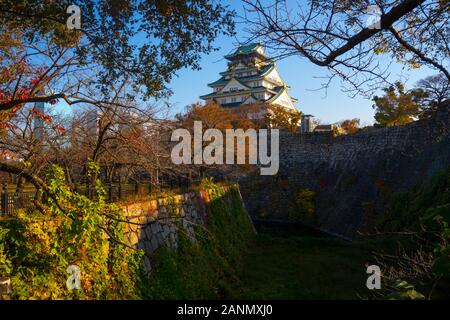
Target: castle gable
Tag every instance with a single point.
(234, 85)
(282, 99)
(274, 76)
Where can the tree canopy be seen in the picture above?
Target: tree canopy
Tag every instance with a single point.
(350, 38)
(280, 117)
(350, 126)
(124, 53)
(397, 106)
(141, 42)
(436, 90)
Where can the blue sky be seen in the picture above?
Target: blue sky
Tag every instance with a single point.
(297, 72)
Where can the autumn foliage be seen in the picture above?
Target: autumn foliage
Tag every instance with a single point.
(350, 126)
(279, 117)
(397, 106)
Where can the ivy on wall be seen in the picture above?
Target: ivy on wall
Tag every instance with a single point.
(37, 246)
(205, 268)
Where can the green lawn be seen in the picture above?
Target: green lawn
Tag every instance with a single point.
(304, 267)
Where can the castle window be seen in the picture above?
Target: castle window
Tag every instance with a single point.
(233, 99)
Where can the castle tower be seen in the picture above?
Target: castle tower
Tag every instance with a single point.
(251, 78)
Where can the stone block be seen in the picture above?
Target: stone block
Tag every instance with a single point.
(148, 233)
(160, 239)
(154, 227)
(154, 244)
(147, 265)
(134, 238)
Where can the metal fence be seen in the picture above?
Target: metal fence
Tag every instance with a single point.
(13, 200)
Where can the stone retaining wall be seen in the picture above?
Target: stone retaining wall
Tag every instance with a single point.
(352, 175)
(156, 223)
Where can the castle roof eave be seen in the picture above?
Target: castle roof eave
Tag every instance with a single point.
(219, 82)
(275, 97)
(232, 93)
(224, 73)
(223, 81)
(245, 50)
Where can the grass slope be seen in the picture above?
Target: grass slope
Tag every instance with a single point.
(304, 267)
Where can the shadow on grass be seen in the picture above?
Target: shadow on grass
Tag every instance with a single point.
(304, 267)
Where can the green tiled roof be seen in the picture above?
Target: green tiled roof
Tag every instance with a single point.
(240, 70)
(245, 49)
(263, 72)
(221, 81)
(280, 91)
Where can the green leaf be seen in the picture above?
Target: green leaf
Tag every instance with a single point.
(441, 213)
(403, 285)
(405, 291)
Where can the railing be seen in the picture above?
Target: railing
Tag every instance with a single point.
(11, 201)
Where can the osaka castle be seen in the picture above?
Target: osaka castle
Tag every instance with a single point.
(252, 78)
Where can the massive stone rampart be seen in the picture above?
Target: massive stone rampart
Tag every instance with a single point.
(352, 174)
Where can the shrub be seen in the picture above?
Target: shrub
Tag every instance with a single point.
(420, 219)
(303, 204)
(38, 246)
